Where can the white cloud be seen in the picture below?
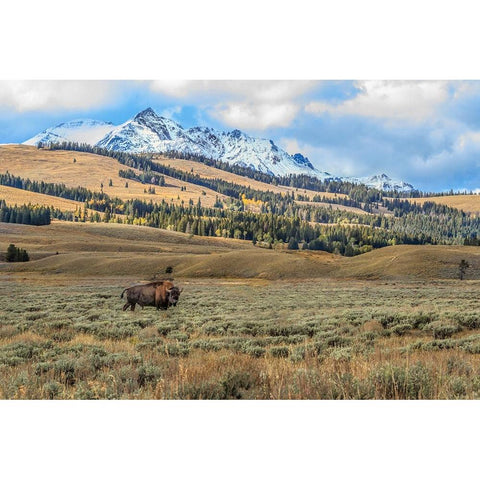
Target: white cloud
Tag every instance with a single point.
(413, 100)
(171, 112)
(51, 95)
(252, 90)
(257, 116)
(325, 159)
(248, 104)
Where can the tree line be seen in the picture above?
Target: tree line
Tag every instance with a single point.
(26, 214)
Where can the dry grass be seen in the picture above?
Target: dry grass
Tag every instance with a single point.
(15, 196)
(211, 172)
(270, 340)
(126, 250)
(335, 206)
(90, 171)
(467, 203)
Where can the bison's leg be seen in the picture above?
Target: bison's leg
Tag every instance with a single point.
(126, 306)
(158, 297)
(132, 308)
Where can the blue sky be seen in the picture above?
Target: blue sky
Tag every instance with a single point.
(424, 132)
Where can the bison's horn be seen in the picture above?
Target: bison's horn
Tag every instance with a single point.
(169, 290)
(181, 290)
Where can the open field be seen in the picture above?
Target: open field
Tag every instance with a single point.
(86, 249)
(394, 323)
(90, 171)
(242, 339)
(467, 203)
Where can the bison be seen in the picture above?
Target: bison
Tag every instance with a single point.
(162, 294)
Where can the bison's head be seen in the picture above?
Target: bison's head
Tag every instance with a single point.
(173, 295)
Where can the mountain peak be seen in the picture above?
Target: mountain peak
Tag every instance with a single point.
(301, 160)
(147, 113)
(148, 132)
(78, 130)
(236, 133)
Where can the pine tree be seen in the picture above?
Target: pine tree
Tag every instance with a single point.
(462, 268)
(293, 244)
(11, 253)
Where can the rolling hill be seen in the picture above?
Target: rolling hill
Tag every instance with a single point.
(91, 171)
(209, 202)
(467, 203)
(133, 252)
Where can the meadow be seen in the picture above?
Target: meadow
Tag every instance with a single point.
(66, 338)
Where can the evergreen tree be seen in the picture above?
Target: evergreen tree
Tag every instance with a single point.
(293, 244)
(462, 268)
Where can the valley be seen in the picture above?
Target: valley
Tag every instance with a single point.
(293, 287)
(252, 323)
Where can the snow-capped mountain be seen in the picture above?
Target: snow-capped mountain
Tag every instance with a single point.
(151, 133)
(80, 131)
(148, 132)
(384, 182)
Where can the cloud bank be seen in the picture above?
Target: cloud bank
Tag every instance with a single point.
(54, 95)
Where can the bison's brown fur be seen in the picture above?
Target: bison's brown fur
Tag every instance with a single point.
(159, 294)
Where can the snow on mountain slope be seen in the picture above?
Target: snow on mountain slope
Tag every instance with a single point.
(384, 182)
(151, 133)
(148, 132)
(80, 131)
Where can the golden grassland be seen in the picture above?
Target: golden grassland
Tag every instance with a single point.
(244, 339)
(253, 323)
(467, 203)
(86, 249)
(15, 196)
(212, 172)
(90, 171)
(335, 206)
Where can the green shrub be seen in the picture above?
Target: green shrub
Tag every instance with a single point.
(401, 329)
(279, 352)
(470, 321)
(180, 336)
(388, 321)
(206, 390)
(298, 354)
(458, 387)
(206, 345)
(391, 382)
(177, 349)
(441, 330)
(52, 389)
(148, 374)
(64, 370)
(458, 366)
(419, 320)
(42, 367)
(341, 354)
(233, 383)
(256, 352)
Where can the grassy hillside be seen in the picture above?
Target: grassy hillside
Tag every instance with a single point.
(211, 172)
(467, 203)
(90, 171)
(142, 252)
(15, 196)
